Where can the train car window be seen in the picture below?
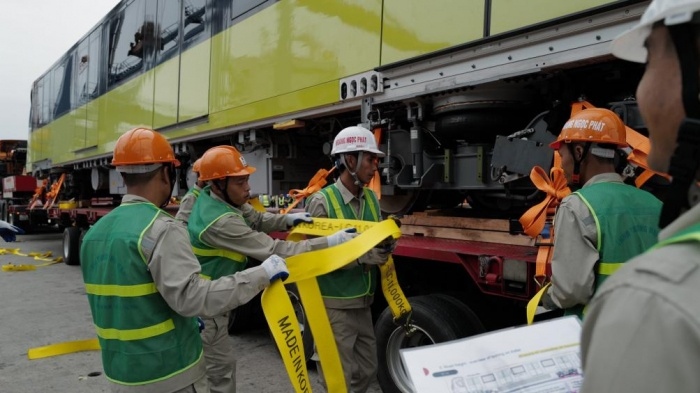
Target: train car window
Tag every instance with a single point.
(241, 7)
(194, 22)
(62, 80)
(130, 36)
(46, 99)
(82, 58)
(168, 23)
(56, 82)
(33, 121)
(93, 64)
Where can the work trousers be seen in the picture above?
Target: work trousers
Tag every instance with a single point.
(200, 386)
(218, 352)
(357, 347)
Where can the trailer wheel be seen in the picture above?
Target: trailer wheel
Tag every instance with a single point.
(435, 319)
(71, 246)
(3, 210)
(306, 337)
(241, 318)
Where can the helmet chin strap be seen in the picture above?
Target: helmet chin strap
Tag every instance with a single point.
(576, 175)
(356, 180)
(171, 175)
(217, 184)
(684, 162)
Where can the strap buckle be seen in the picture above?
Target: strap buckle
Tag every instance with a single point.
(540, 281)
(404, 320)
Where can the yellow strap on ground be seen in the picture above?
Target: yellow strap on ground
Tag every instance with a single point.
(17, 268)
(37, 255)
(532, 304)
(63, 348)
(303, 269)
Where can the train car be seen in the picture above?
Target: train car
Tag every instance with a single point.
(465, 94)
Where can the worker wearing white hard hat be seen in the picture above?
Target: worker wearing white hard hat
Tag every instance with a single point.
(642, 328)
(348, 293)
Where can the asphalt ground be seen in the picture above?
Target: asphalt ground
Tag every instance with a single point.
(48, 306)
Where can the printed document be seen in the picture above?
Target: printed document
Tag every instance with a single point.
(540, 358)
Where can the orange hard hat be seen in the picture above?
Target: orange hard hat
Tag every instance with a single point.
(223, 161)
(142, 146)
(596, 125)
(195, 166)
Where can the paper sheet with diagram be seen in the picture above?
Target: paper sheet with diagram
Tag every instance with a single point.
(543, 357)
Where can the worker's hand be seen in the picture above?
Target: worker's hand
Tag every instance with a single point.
(375, 256)
(276, 267)
(200, 324)
(341, 236)
(294, 219)
(387, 245)
(8, 231)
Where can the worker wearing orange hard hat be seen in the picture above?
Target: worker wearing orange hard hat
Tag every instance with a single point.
(143, 281)
(604, 222)
(225, 231)
(642, 332)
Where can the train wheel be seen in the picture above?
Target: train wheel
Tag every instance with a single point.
(71, 246)
(435, 319)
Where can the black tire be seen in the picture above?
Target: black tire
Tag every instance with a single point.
(241, 318)
(469, 322)
(71, 246)
(435, 319)
(3, 210)
(300, 313)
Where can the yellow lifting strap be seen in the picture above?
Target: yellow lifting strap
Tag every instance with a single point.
(303, 269)
(38, 256)
(63, 348)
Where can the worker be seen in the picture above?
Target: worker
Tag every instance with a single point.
(187, 202)
(9, 232)
(642, 331)
(143, 281)
(225, 231)
(604, 222)
(348, 292)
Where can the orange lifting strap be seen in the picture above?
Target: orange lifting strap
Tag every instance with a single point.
(535, 219)
(315, 184)
(52, 195)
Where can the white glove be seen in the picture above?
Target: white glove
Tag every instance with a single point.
(8, 231)
(294, 219)
(275, 267)
(341, 236)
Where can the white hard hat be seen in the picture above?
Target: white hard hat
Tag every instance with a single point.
(351, 139)
(630, 44)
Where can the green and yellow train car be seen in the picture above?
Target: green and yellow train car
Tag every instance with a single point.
(210, 71)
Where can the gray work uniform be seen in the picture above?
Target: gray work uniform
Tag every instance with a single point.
(575, 252)
(175, 271)
(350, 319)
(232, 233)
(642, 329)
(183, 212)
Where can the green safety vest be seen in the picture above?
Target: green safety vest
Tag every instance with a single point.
(142, 339)
(352, 282)
(627, 223)
(215, 262)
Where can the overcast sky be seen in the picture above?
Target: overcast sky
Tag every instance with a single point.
(35, 33)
